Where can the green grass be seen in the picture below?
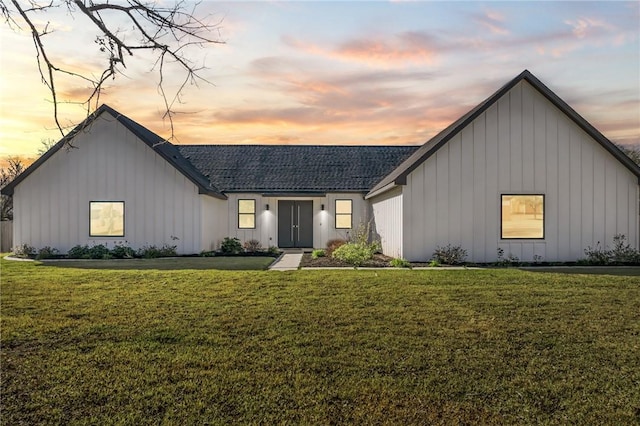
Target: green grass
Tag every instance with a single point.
(88, 346)
(173, 263)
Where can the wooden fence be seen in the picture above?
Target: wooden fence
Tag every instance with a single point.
(6, 236)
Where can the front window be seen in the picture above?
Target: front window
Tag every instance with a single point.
(106, 219)
(246, 214)
(522, 217)
(344, 214)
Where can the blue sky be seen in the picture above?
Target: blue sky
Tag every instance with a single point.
(351, 72)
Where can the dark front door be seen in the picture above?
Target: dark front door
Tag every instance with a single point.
(295, 224)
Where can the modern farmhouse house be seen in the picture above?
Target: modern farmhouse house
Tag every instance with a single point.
(521, 172)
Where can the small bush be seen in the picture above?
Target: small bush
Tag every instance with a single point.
(99, 251)
(24, 250)
(47, 253)
(123, 252)
(78, 252)
(622, 251)
(252, 246)
(231, 246)
(510, 260)
(398, 262)
(332, 245)
(450, 255)
(597, 255)
(434, 263)
(207, 253)
(273, 251)
(353, 253)
(153, 252)
(318, 253)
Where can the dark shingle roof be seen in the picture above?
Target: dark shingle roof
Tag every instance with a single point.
(294, 168)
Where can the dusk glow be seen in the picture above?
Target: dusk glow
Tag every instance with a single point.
(348, 72)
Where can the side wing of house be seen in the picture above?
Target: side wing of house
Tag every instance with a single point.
(521, 177)
(110, 189)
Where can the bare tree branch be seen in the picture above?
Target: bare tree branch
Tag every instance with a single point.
(167, 32)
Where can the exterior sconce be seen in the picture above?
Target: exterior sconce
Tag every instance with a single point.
(266, 206)
(321, 206)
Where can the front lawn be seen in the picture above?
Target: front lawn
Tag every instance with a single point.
(89, 346)
(171, 263)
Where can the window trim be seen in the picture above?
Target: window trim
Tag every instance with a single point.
(123, 219)
(544, 217)
(336, 214)
(247, 214)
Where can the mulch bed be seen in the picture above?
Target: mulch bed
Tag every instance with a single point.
(378, 261)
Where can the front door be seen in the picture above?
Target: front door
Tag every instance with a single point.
(295, 224)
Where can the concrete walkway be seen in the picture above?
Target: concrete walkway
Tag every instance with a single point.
(287, 262)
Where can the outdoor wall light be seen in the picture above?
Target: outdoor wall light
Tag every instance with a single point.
(266, 206)
(321, 206)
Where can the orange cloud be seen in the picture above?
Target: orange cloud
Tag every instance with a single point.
(396, 50)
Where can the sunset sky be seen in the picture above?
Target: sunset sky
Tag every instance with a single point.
(353, 72)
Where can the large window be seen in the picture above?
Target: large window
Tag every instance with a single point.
(522, 217)
(344, 214)
(106, 219)
(246, 214)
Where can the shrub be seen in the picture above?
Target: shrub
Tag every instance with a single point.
(78, 252)
(361, 234)
(252, 246)
(152, 252)
(332, 245)
(353, 253)
(622, 252)
(123, 252)
(99, 251)
(231, 246)
(318, 253)
(597, 255)
(24, 250)
(398, 262)
(510, 260)
(273, 251)
(47, 253)
(450, 255)
(434, 263)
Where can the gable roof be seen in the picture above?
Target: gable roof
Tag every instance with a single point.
(165, 149)
(295, 168)
(399, 175)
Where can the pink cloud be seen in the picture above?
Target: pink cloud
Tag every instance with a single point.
(394, 50)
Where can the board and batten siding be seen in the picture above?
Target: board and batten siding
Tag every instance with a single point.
(387, 220)
(107, 163)
(522, 144)
(266, 230)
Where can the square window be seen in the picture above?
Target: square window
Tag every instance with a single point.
(344, 214)
(522, 217)
(106, 219)
(246, 214)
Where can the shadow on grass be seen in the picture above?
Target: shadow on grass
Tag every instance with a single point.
(629, 271)
(174, 263)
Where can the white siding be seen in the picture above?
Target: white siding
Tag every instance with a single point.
(521, 144)
(214, 222)
(387, 219)
(51, 205)
(266, 230)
